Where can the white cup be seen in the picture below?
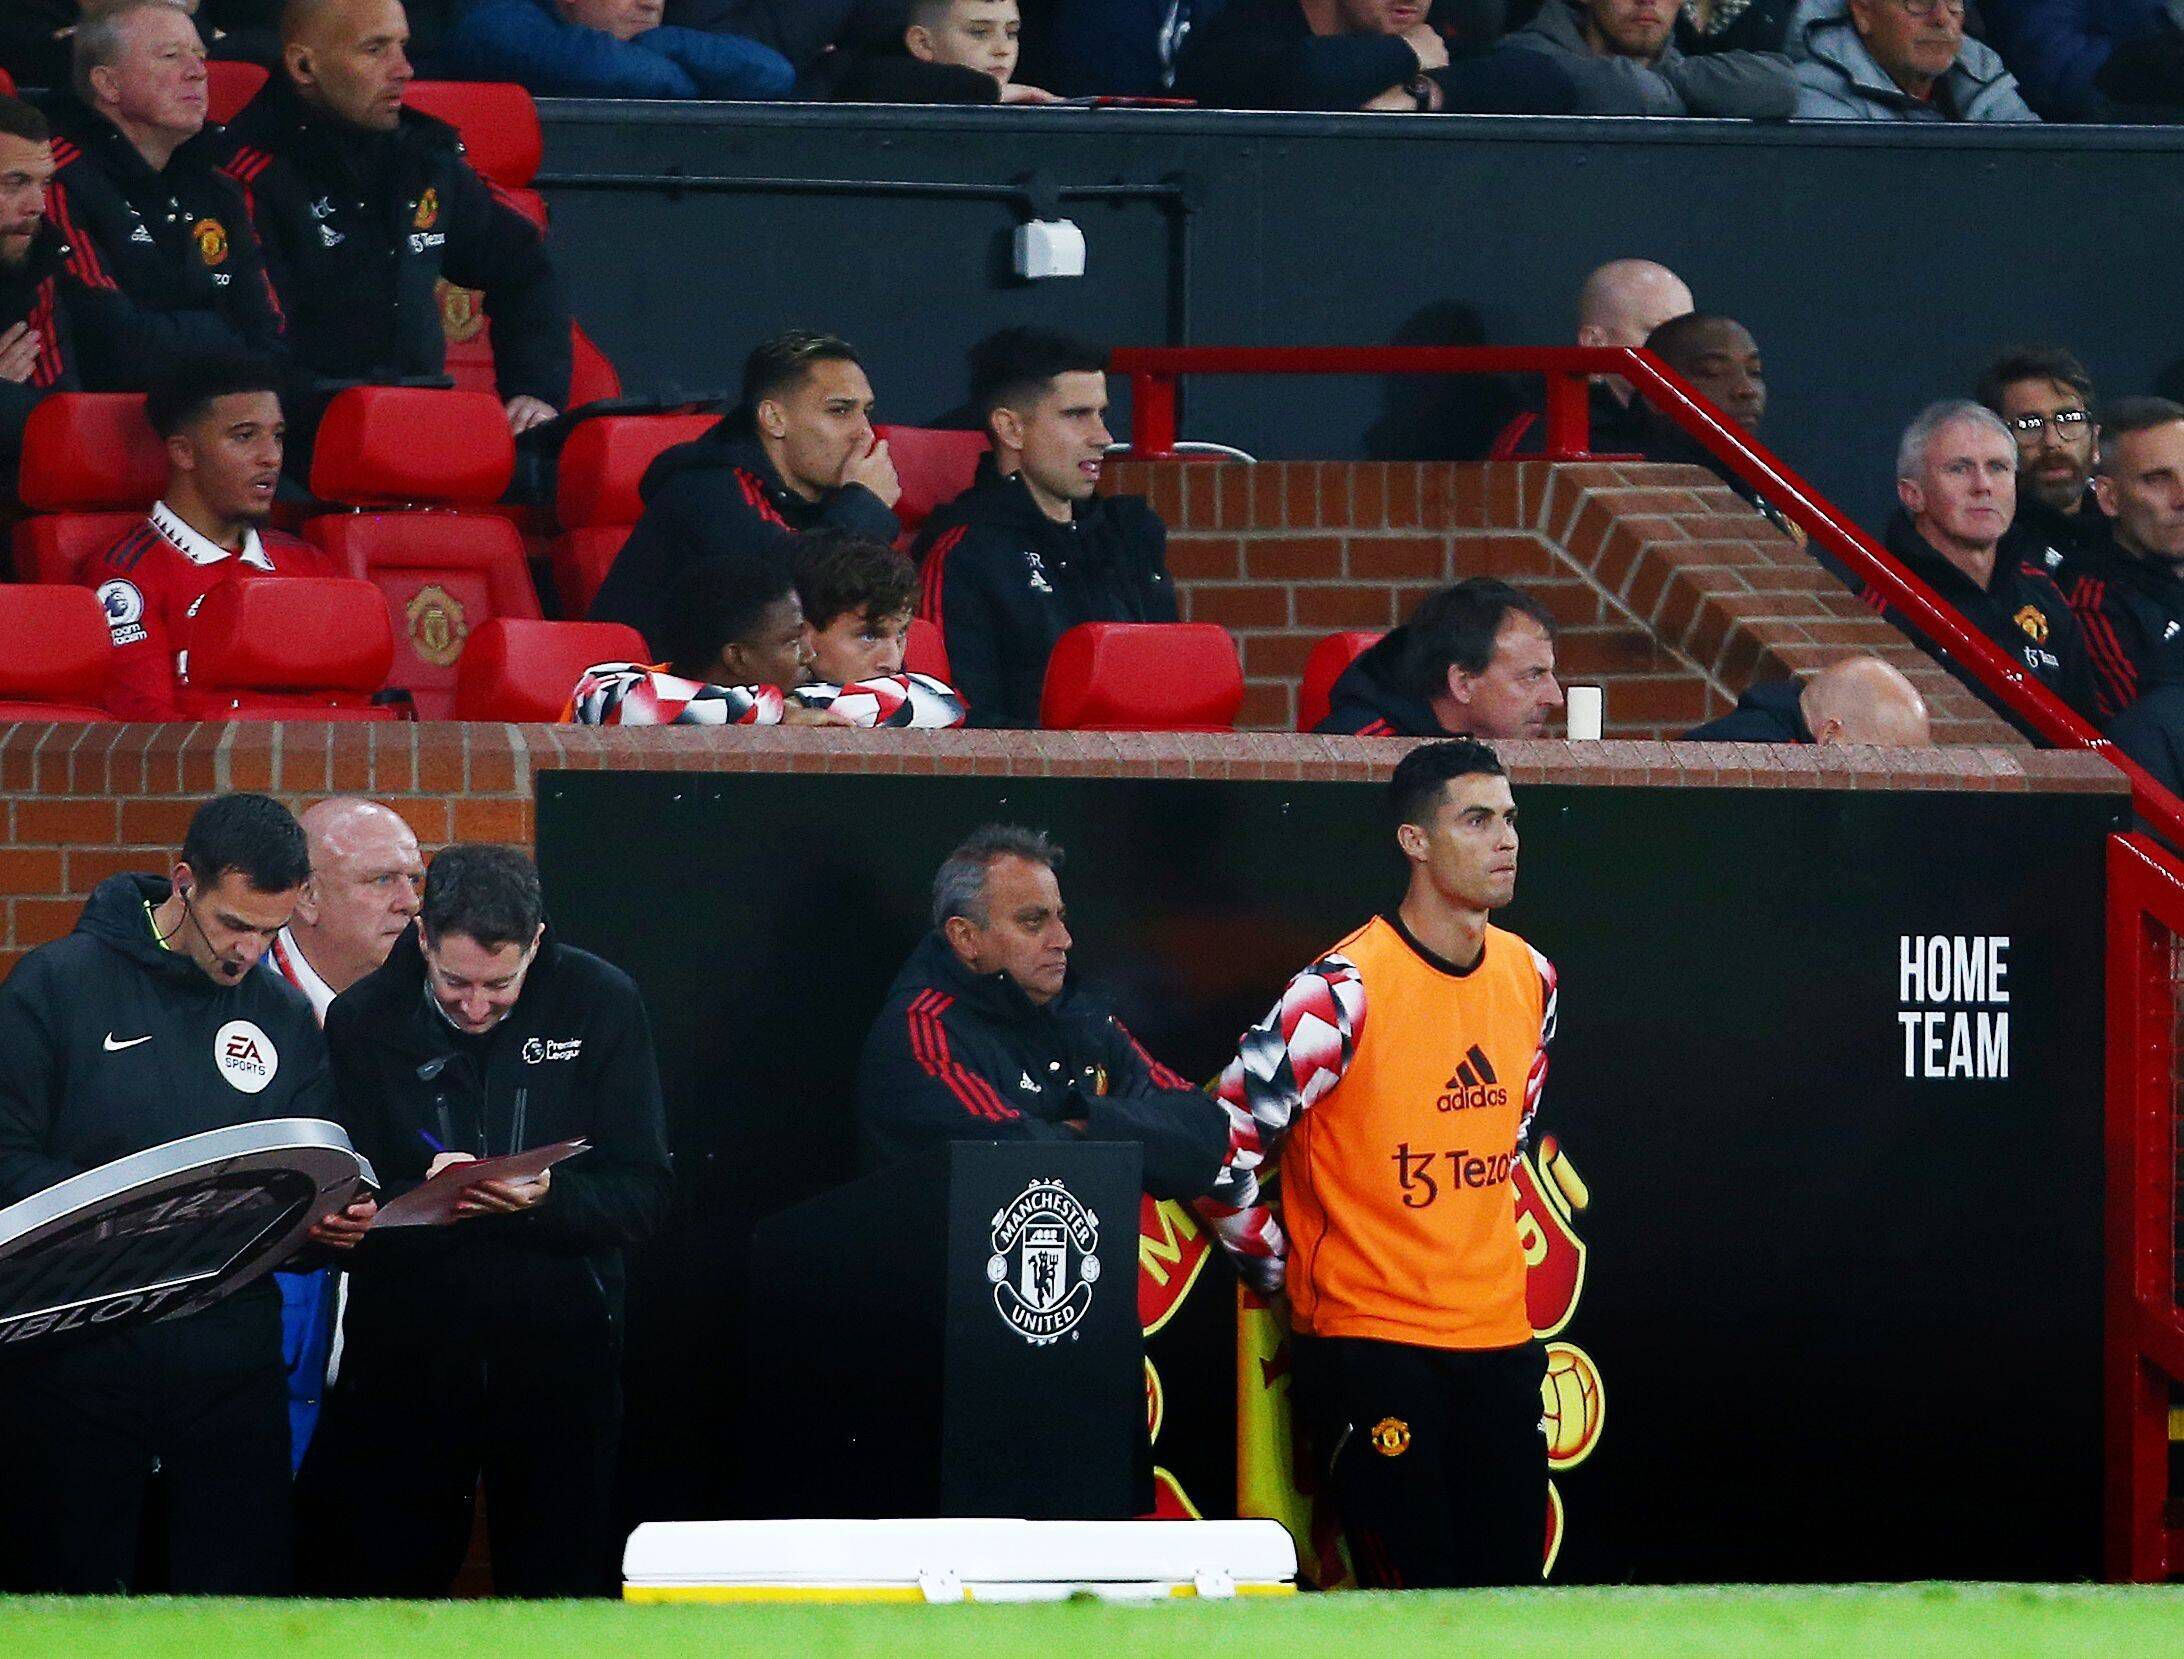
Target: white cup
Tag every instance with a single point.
(1584, 705)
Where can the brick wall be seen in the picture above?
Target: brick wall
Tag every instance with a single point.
(78, 803)
(1670, 592)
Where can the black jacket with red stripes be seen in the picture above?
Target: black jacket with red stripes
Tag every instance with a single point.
(45, 294)
(719, 495)
(2020, 609)
(176, 243)
(1004, 582)
(2132, 611)
(1372, 697)
(968, 1057)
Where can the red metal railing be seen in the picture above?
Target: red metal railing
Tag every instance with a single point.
(2144, 1328)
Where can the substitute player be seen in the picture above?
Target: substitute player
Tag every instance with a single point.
(1416, 1366)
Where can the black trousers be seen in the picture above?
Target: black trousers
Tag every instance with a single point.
(385, 1498)
(1436, 1458)
(148, 1460)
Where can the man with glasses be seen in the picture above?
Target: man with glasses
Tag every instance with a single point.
(2045, 398)
(1897, 60)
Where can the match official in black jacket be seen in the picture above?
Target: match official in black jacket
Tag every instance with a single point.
(1030, 549)
(984, 1037)
(146, 1024)
(491, 1345)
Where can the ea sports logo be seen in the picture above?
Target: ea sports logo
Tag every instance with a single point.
(245, 1055)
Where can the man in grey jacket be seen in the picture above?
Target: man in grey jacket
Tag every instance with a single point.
(1624, 60)
(1897, 60)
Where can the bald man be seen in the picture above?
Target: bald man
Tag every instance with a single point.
(367, 881)
(1619, 304)
(1858, 700)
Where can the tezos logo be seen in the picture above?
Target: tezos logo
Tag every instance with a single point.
(1044, 1262)
(245, 1055)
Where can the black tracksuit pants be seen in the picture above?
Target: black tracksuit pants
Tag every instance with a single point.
(1436, 1458)
(387, 1488)
(151, 1459)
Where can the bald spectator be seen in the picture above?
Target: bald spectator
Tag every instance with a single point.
(1897, 60)
(1624, 58)
(1956, 476)
(2045, 397)
(2131, 601)
(1858, 700)
(1476, 659)
(1620, 304)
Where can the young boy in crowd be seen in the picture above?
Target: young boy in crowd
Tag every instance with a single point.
(951, 52)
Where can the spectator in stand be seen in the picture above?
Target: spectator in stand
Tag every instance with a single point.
(809, 33)
(1475, 660)
(221, 422)
(797, 453)
(138, 199)
(1623, 56)
(605, 49)
(1031, 549)
(1858, 700)
(951, 52)
(42, 304)
(1123, 48)
(1405, 55)
(1620, 304)
(2045, 398)
(739, 654)
(2093, 60)
(858, 596)
(2131, 600)
(1720, 359)
(1897, 60)
(363, 207)
(1956, 475)
(1704, 26)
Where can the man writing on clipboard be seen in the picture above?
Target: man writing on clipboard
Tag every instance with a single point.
(490, 1345)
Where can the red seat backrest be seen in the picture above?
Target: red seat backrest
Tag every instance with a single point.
(229, 85)
(581, 559)
(605, 459)
(1143, 677)
(86, 452)
(592, 374)
(498, 121)
(518, 670)
(55, 547)
(7, 83)
(924, 651)
(1323, 668)
(289, 646)
(58, 650)
(935, 466)
(398, 446)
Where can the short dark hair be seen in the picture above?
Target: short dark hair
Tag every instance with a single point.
(179, 395)
(926, 13)
(719, 602)
(1018, 363)
(959, 885)
(251, 833)
(781, 363)
(1421, 775)
(1456, 627)
(1675, 340)
(838, 572)
(23, 120)
(490, 894)
(2032, 363)
(2132, 414)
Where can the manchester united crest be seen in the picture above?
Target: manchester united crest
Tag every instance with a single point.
(428, 209)
(212, 241)
(1391, 1437)
(2035, 623)
(437, 627)
(1044, 1262)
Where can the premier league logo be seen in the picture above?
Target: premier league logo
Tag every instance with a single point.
(1045, 1261)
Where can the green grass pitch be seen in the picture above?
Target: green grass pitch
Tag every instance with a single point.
(1984, 1621)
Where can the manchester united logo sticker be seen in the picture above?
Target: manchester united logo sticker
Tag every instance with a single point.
(212, 241)
(1390, 1437)
(437, 627)
(428, 209)
(2034, 622)
(1044, 1262)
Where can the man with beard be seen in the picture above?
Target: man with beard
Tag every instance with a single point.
(1623, 56)
(2045, 398)
(221, 422)
(2131, 602)
(37, 293)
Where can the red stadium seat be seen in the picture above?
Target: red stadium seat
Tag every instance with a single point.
(7, 83)
(445, 561)
(1143, 677)
(513, 670)
(935, 466)
(91, 468)
(498, 121)
(1323, 668)
(291, 648)
(924, 651)
(229, 86)
(597, 501)
(54, 667)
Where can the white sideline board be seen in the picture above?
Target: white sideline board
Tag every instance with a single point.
(955, 1560)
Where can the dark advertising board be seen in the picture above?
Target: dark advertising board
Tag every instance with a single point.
(1813, 1204)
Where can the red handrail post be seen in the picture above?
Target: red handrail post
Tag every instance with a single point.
(1152, 415)
(1569, 416)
